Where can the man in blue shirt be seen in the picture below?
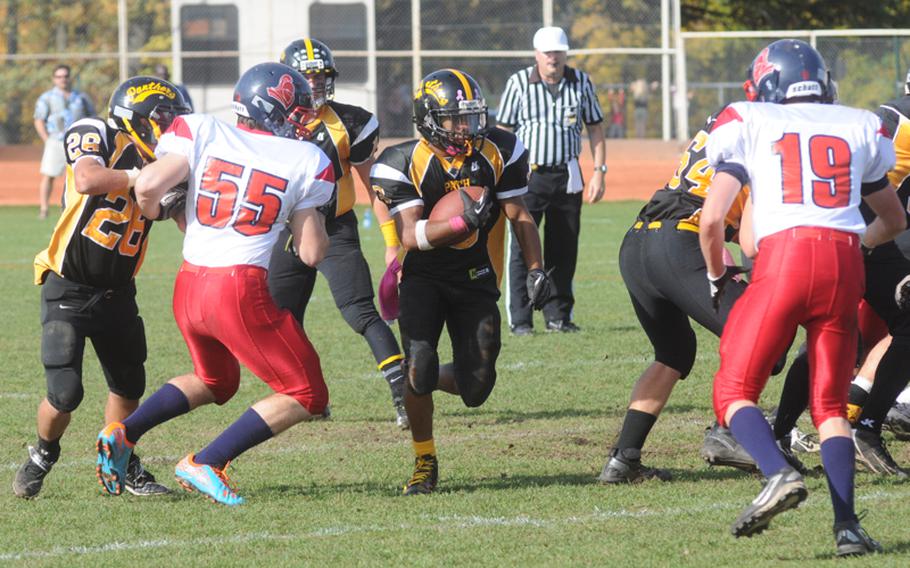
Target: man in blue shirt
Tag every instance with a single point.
(55, 111)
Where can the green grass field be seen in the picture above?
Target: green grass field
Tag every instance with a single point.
(517, 480)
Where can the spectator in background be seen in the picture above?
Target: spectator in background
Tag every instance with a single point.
(55, 110)
(617, 99)
(641, 94)
(162, 71)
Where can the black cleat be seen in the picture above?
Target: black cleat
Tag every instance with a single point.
(624, 466)
(30, 476)
(898, 421)
(424, 478)
(521, 330)
(401, 415)
(786, 448)
(721, 448)
(782, 491)
(872, 453)
(562, 326)
(852, 540)
(141, 482)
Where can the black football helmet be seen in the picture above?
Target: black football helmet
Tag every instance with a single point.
(449, 95)
(276, 97)
(315, 61)
(786, 70)
(144, 107)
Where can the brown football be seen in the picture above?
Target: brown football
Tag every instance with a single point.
(451, 206)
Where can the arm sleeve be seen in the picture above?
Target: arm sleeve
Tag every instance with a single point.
(591, 112)
(365, 140)
(391, 184)
(509, 102)
(725, 143)
(179, 139)
(318, 182)
(86, 139)
(881, 152)
(514, 179)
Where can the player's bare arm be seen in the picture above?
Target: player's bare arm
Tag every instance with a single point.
(92, 178)
(746, 235)
(890, 218)
(595, 190)
(310, 238)
(381, 210)
(156, 179)
(711, 223)
(525, 230)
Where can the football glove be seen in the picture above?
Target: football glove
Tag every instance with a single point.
(718, 284)
(172, 202)
(538, 284)
(476, 213)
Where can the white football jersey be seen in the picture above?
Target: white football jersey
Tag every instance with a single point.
(243, 187)
(806, 162)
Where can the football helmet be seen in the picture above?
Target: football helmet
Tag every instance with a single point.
(450, 111)
(144, 107)
(315, 62)
(786, 70)
(907, 83)
(276, 97)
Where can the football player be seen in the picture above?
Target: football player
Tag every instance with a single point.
(447, 276)
(245, 183)
(809, 164)
(87, 272)
(348, 135)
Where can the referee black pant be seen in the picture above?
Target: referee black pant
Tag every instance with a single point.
(547, 200)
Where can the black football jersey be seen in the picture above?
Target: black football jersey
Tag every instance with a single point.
(410, 174)
(348, 135)
(100, 240)
(682, 198)
(895, 117)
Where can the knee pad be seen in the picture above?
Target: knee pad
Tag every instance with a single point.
(125, 369)
(61, 353)
(681, 357)
(422, 368)
(64, 388)
(476, 391)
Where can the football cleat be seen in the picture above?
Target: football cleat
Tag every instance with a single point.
(624, 466)
(208, 480)
(424, 478)
(140, 481)
(521, 330)
(872, 453)
(802, 442)
(782, 491)
(786, 447)
(113, 458)
(562, 326)
(853, 540)
(721, 448)
(30, 476)
(898, 421)
(401, 415)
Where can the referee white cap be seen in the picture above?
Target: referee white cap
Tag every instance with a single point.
(551, 39)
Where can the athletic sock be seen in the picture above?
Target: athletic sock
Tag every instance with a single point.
(794, 397)
(249, 430)
(890, 379)
(859, 391)
(394, 375)
(50, 449)
(753, 432)
(425, 448)
(635, 429)
(166, 403)
(840, 466)
(904, 396)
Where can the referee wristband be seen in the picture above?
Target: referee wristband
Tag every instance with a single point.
(420, 233)
(389, 234)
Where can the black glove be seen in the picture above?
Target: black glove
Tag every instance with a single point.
(328, 208)
(172, 202)
(476, 213)
(718, 284)
(538, 285)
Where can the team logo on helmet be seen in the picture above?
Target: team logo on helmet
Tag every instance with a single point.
(762, 67)
(436, 90)
(139, 93)
(284, 91)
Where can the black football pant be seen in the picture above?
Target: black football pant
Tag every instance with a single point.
(291, 284)
(548, 201)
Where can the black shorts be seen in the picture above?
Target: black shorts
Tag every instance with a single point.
(665, 274)
(470, 312)
(72, 312)
(886, 268)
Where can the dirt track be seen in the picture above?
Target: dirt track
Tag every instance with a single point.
(636, 169)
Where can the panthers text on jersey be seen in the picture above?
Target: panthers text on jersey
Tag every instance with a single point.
(100, 240)
(243, 187)
(411, 174)
(806, 162)
(682, 198)
(348, 135)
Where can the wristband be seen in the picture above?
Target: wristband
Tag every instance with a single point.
(389, 234)
(132, 175)
(458, 224)
(420, 233)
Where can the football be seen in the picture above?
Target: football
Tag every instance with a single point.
(451, 206)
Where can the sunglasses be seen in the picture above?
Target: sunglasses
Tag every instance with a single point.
(61, 76)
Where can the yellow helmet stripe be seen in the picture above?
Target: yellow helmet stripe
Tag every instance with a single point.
(309, 49)
(464, 83)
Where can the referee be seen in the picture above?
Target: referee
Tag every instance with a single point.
(547, 104)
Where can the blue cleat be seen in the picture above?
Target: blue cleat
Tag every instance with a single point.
(210, 481)
(114, 453)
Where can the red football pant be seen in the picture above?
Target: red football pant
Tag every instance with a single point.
(226, 314)
(802, 276)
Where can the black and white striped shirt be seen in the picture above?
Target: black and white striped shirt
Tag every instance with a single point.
(550, 127)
